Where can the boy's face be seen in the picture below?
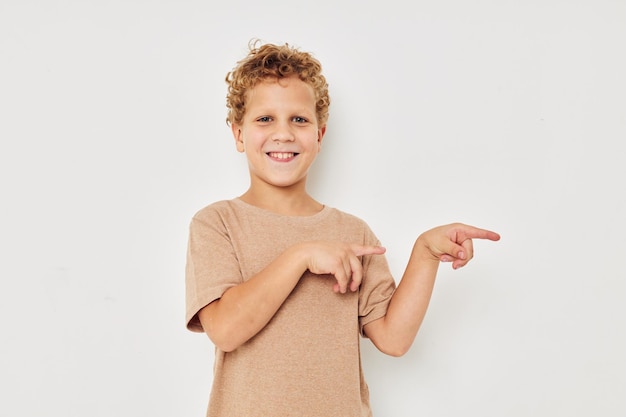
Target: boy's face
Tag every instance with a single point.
(279, 132)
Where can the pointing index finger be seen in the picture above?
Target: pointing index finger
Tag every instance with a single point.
(488, 234)
(470, 232)
(360, 250)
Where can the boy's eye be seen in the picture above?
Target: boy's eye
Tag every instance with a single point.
(264, 119)
(299, 119)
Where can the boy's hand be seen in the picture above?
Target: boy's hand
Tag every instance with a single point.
(340, 260)
(453, 242)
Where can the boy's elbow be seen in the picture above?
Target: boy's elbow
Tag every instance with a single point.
(389, 343)
(223, 344)
(223, 338)
(395, 351)
(219, 332)
(393, 346)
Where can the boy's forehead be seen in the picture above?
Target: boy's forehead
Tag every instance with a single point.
(284, 82)
(278, 102)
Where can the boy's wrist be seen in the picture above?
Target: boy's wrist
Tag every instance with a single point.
(422, 252)
(298, 255)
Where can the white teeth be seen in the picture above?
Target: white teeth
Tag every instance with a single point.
(281, 155)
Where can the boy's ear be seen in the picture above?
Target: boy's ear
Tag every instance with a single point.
(236, 129)
(320, 135)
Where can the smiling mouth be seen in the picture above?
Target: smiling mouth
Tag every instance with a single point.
(281, 155)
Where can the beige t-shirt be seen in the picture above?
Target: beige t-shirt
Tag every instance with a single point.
(306, 361)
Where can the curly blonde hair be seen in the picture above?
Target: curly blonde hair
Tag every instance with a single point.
(274, 61)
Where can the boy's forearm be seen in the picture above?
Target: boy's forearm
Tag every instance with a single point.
(395, 332)
(245, 309)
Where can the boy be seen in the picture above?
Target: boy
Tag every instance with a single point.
(284, 285)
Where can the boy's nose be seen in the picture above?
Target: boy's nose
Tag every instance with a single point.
(282, 134)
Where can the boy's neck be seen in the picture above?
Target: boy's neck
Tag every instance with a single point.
(283, 201)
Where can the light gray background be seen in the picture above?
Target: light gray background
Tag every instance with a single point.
(507, 115)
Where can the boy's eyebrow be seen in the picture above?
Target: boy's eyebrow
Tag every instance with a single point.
(299, 112)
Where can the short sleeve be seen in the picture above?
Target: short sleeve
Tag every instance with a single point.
(377, 286)
(212, 265)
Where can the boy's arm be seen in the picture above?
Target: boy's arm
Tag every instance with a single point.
(245, 309)
(394, 333)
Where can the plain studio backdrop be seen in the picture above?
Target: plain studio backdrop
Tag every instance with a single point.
(505, 115)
